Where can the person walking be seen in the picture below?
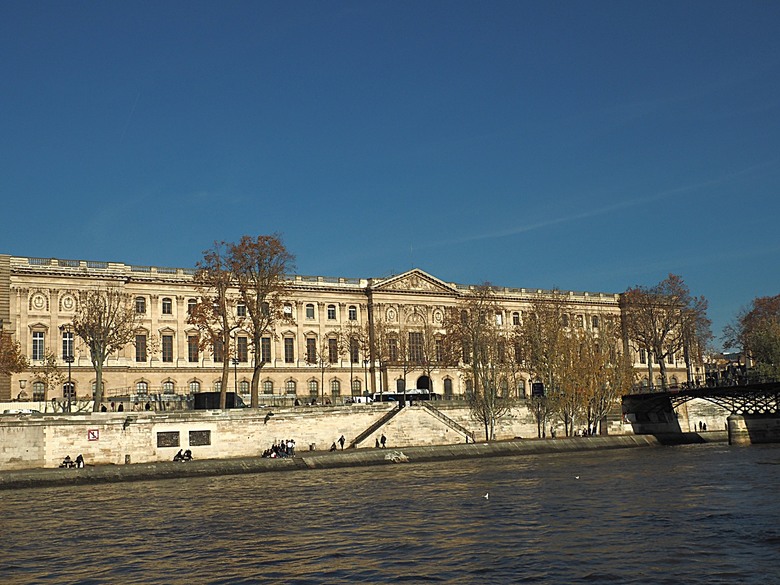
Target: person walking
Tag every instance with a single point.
(341, 441)
(383, 440)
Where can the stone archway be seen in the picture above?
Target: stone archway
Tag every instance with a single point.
(425, 382)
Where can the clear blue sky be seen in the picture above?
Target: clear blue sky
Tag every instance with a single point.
(579, 145)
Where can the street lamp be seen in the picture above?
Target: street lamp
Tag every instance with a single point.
(235, 374)
(69, 359)
(67, 355)
(365, 367)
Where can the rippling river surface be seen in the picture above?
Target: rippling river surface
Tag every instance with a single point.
(693, 514)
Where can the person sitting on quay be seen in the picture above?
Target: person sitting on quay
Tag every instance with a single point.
(285, 448)
(67, 463)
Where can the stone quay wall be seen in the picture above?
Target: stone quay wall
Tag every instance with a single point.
(29, 441)
(340, 459)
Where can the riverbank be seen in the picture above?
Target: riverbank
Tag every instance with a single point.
(339, 459)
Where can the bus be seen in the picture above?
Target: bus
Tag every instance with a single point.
(410, 395)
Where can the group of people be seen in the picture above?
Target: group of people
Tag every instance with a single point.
(284, 448)
(185, 456)
(68, 463)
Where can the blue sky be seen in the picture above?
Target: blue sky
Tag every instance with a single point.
(588, 146)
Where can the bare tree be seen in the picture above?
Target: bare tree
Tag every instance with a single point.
(49, 373)
(106, 321)
(473, 327)
(544, 347)
(260, 266)
(215, 313)
(661, 320)
(325, 355)
(353, 341)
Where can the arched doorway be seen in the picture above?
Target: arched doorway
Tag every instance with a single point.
(424, 382)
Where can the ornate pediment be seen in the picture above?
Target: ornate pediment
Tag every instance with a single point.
(415, 281)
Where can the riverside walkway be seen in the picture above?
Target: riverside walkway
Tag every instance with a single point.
(339, 459)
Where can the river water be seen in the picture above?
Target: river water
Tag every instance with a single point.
(689, 514)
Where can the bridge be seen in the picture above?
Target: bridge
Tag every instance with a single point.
(754, 410)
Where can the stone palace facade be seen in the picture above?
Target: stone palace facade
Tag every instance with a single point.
(38, 299)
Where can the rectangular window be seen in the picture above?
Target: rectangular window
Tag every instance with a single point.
(354, 351)
(193, 351)
(310, 311)
(167, 306)
(594, 321)
(140, 348)
(140, 305)
(242, 349)
(37, 345)
(642, 356)
(439, 350)
(415, 347)
(392, 349)
(289, 350)
(265, 350)
(67, 344)
(219, 353)
(167, 348)
(311, 350)
(670, 358)
(241, 310)
(331, 312)
(333, 350)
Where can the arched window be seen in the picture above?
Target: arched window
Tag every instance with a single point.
(268, 387)
(142, 388)
(331, 312)
(352, 313)
(290, 387)
(69, 391)
(194, 386)
(167, 306)
(140, 305)
(191, 303)
(168, 387)
(448, 388)
(515, 318)
(335, 388)
(243, 387)
(356, 387)
(310, 311)
(39, 391)
(521, 389)
(218, 386)
(314, 388)
(400, 385)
